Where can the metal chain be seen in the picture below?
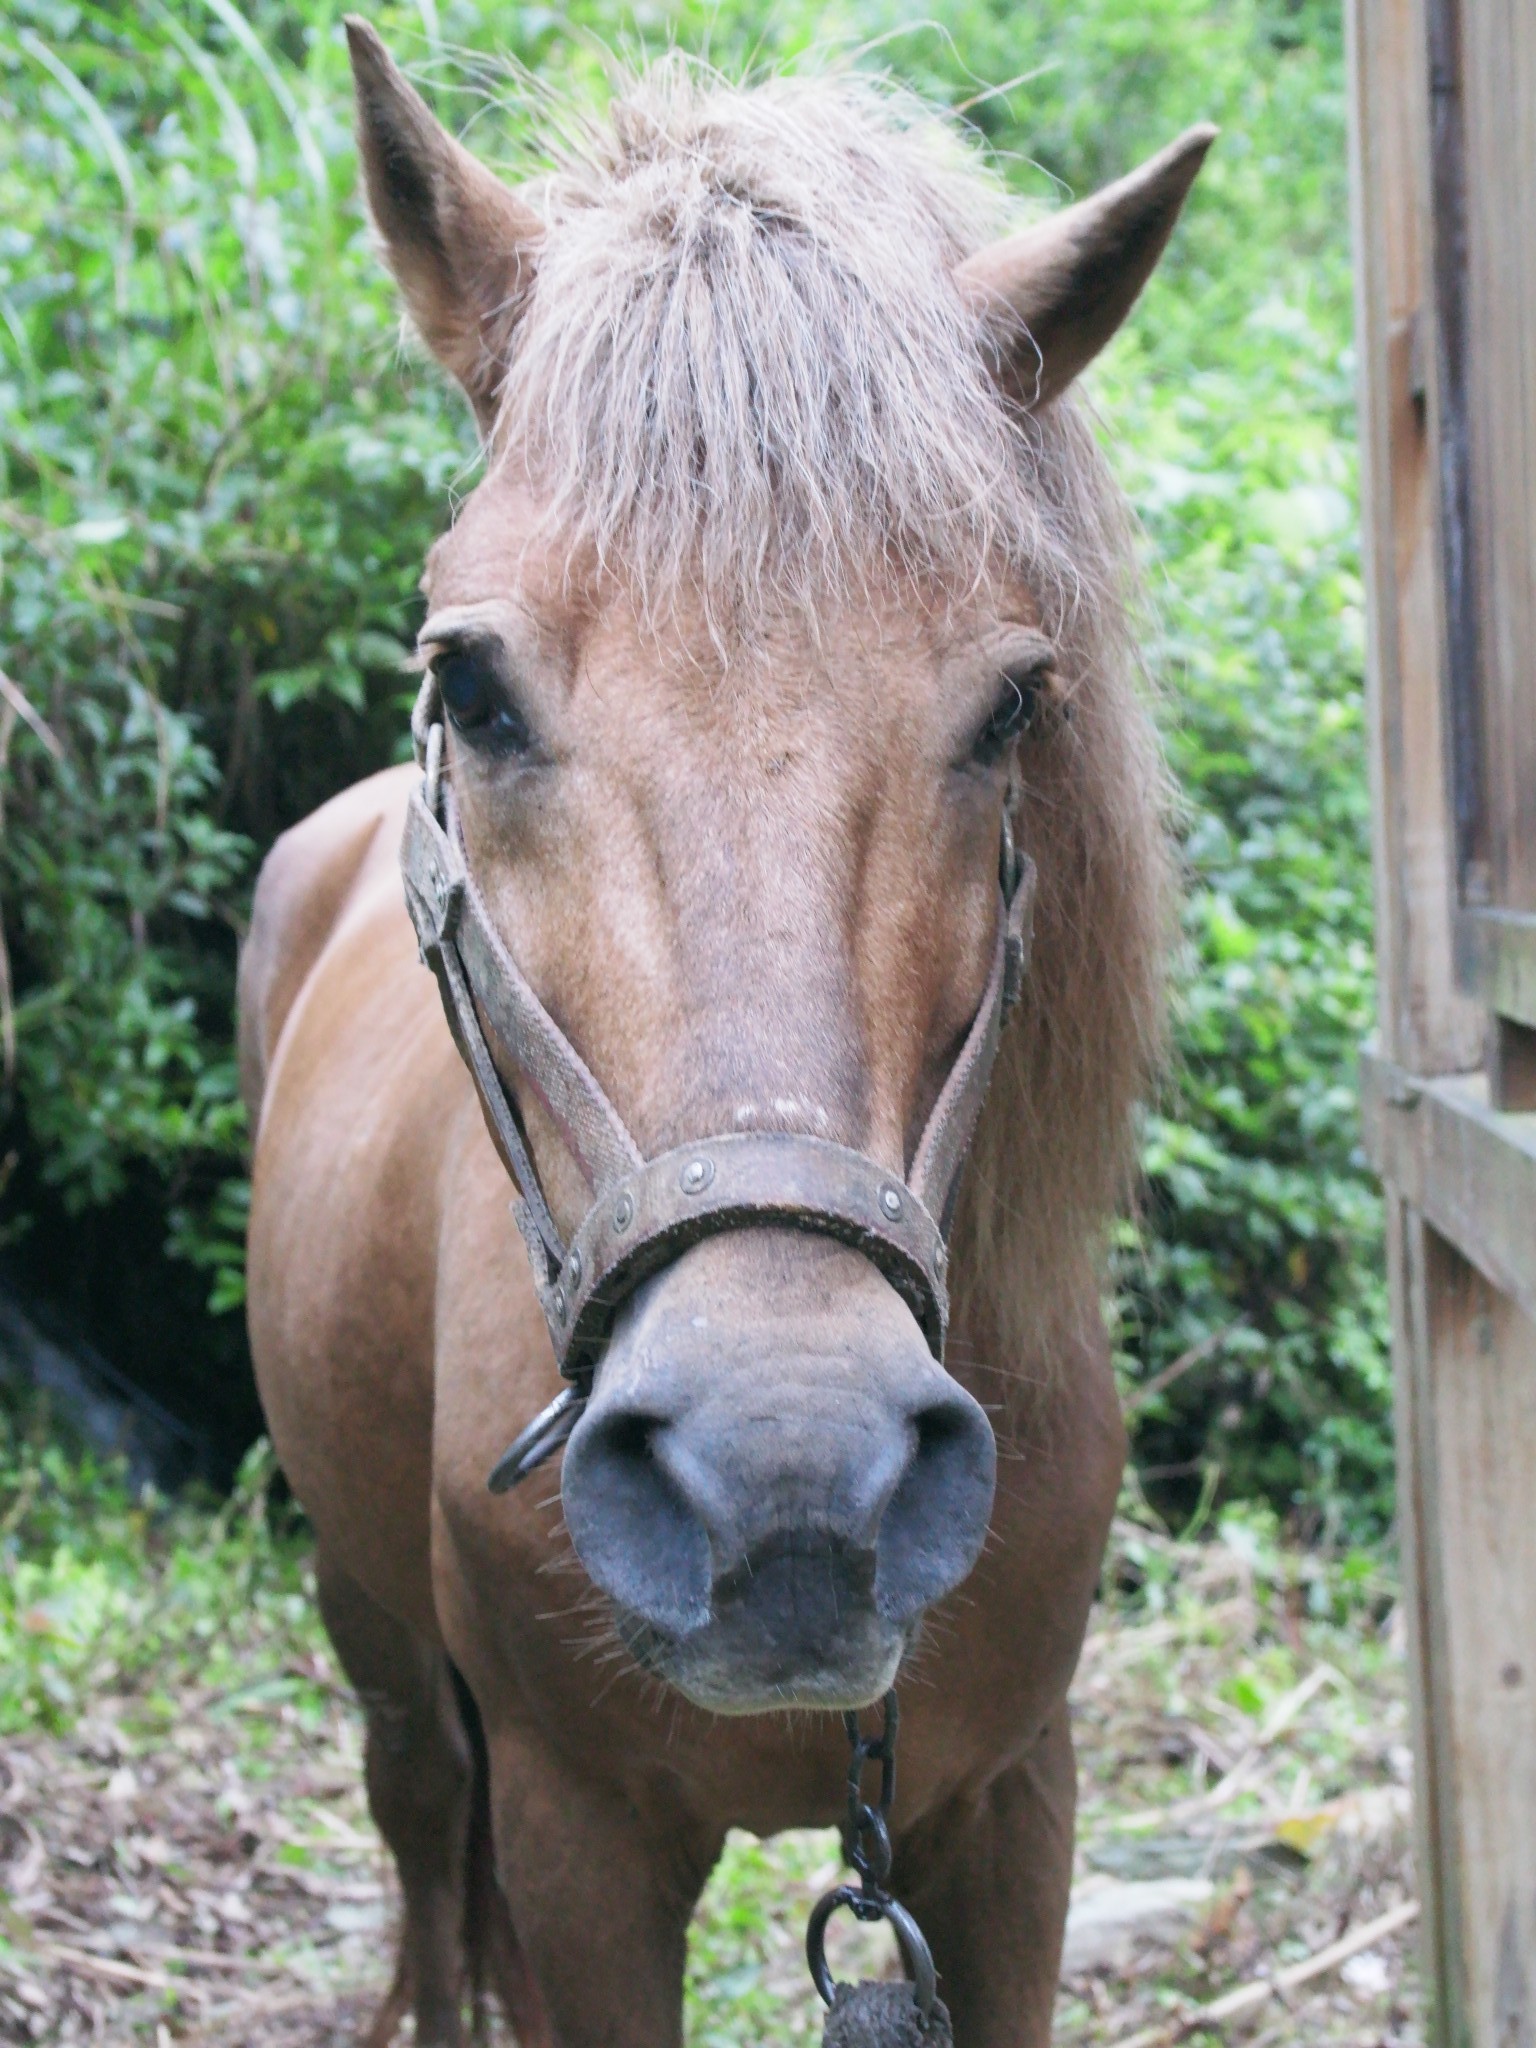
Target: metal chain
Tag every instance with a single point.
(867, 1846)
(867, 1824)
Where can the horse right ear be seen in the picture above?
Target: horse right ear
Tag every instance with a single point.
(1051, 296)
(460, 243)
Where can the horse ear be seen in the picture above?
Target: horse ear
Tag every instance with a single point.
(460, 243)
(1051, 296)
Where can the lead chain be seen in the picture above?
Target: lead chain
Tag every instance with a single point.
(867, 1846)
(866, 1835)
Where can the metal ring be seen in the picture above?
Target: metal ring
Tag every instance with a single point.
(543, 1436)
(915, 1952)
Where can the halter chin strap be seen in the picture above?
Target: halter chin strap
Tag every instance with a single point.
(645, 1212)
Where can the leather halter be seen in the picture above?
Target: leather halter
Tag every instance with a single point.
(645, 1212)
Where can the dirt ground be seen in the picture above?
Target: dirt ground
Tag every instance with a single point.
(1245, 1811)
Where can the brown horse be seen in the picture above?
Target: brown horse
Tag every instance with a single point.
(792, 572)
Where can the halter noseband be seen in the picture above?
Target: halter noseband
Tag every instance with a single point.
(644, 1213)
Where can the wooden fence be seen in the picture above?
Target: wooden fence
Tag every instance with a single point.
(1444, 148)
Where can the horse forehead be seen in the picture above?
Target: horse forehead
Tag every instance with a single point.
(870, 657)
(500, 546)
(829, 697)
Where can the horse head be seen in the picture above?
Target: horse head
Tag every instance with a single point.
(739, 650)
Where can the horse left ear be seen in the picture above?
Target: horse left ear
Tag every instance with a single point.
(461, 243)
(1052, 295)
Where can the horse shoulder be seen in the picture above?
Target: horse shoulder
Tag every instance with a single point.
(307, 882)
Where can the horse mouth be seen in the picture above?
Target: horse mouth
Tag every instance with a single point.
(796, 1629)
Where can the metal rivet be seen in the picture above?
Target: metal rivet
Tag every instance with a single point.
(696, 1176)
(559, 1304)
(890, 1202)
(573, 1271)
(623, 1212)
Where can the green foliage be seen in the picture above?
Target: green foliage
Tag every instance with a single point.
(217, 487)
(106, 1595)
(116, 841)
(1260, 1254)
(219, 475)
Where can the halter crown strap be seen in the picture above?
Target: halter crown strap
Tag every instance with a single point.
(645, 1213)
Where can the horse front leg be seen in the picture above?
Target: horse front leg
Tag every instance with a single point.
(601, 1894)
(420, 1775)
(989, 1882)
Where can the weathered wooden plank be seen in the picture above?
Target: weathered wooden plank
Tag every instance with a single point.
(1470, 1169)
(1424, 1603)
(1444, 142)
(1425, 1022)
(1496, 953)
(1455, 438)
(1477, 1371)
(1497, 48)
(1511, 1065)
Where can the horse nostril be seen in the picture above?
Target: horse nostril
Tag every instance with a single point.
(638, 1538)
(630, 1438)
(936, 1521)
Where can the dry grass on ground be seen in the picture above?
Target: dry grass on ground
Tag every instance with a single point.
(185, 1855)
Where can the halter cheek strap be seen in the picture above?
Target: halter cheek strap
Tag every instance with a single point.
(645, 1213)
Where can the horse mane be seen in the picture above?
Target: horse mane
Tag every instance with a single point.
(1054, 1158)
(746, 381)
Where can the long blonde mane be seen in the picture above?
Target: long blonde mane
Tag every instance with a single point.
(746, 380)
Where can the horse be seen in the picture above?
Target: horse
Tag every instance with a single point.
(790, 625)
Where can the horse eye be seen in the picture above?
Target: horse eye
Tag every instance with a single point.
(1013, 712)
(475, 700)
(465, 686)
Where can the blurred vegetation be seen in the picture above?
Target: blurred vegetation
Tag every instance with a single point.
(219, 474)
(108, 1593)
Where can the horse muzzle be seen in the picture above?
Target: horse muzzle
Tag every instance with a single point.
(773, 1477)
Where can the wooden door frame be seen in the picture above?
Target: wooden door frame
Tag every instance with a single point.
(1454, 1063)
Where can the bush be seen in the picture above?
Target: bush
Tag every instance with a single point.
(220, 475)
(106, 1592)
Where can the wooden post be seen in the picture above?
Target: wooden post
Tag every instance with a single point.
(1426, 1024)
(1444, 174)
